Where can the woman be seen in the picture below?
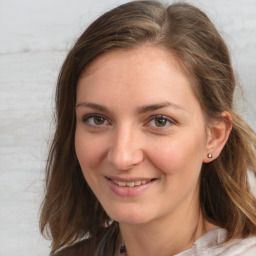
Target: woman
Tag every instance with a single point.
(149, 157)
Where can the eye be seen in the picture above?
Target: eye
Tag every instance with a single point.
(160, 121)
(95, 120)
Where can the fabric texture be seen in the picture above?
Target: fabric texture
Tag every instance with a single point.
(211, 244)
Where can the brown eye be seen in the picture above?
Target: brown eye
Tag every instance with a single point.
(161, 122)
(99, 120)
(95, 120)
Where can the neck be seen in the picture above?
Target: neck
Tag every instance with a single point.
(166, 236)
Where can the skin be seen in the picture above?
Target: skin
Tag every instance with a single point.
(128, 140)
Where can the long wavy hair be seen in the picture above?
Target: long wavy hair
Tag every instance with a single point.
(70, 210)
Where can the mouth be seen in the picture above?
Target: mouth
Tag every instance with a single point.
(131, 183)
(130, 187)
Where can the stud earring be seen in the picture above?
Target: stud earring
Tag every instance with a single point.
(209, 155)
(123, 249)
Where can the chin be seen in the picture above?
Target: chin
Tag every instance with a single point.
(129, 216)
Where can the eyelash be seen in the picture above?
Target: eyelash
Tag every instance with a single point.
(154, 118)
(159, 117)
(87, 118)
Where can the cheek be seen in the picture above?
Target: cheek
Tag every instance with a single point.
(179, 155)
(89, 149)
(166, 158)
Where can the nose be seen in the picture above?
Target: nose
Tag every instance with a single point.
(126, 150)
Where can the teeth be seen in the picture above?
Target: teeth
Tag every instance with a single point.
(120, 183)
(138, 182)
(130, 183)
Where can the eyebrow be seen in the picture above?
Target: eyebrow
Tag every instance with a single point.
(140, 110)
(144, 109)
(93, 106)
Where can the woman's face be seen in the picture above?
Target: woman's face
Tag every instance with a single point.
(140, 135)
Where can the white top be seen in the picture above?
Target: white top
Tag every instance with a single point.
(212, 244)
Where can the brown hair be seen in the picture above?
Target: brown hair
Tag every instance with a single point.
(70, 210)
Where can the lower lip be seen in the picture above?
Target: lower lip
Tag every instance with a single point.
(128, 191)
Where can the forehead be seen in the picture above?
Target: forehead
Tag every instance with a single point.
(146, 74)
(134, 55)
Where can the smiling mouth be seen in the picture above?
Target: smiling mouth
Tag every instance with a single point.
(131, 183)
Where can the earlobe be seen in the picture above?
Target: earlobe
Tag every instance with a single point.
(218, 134)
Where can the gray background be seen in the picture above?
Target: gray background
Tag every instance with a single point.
(34, 38)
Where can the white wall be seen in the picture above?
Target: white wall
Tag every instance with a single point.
(34, 38)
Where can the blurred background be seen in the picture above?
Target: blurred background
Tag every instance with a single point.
(35, 36)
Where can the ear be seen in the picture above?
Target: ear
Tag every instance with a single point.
(217, 135)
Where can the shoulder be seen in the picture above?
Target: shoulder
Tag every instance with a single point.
(217, 245)
(101, 246)
(82, 248)
(245, 247)
(214, 243)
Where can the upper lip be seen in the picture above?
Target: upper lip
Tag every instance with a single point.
(129, 179)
